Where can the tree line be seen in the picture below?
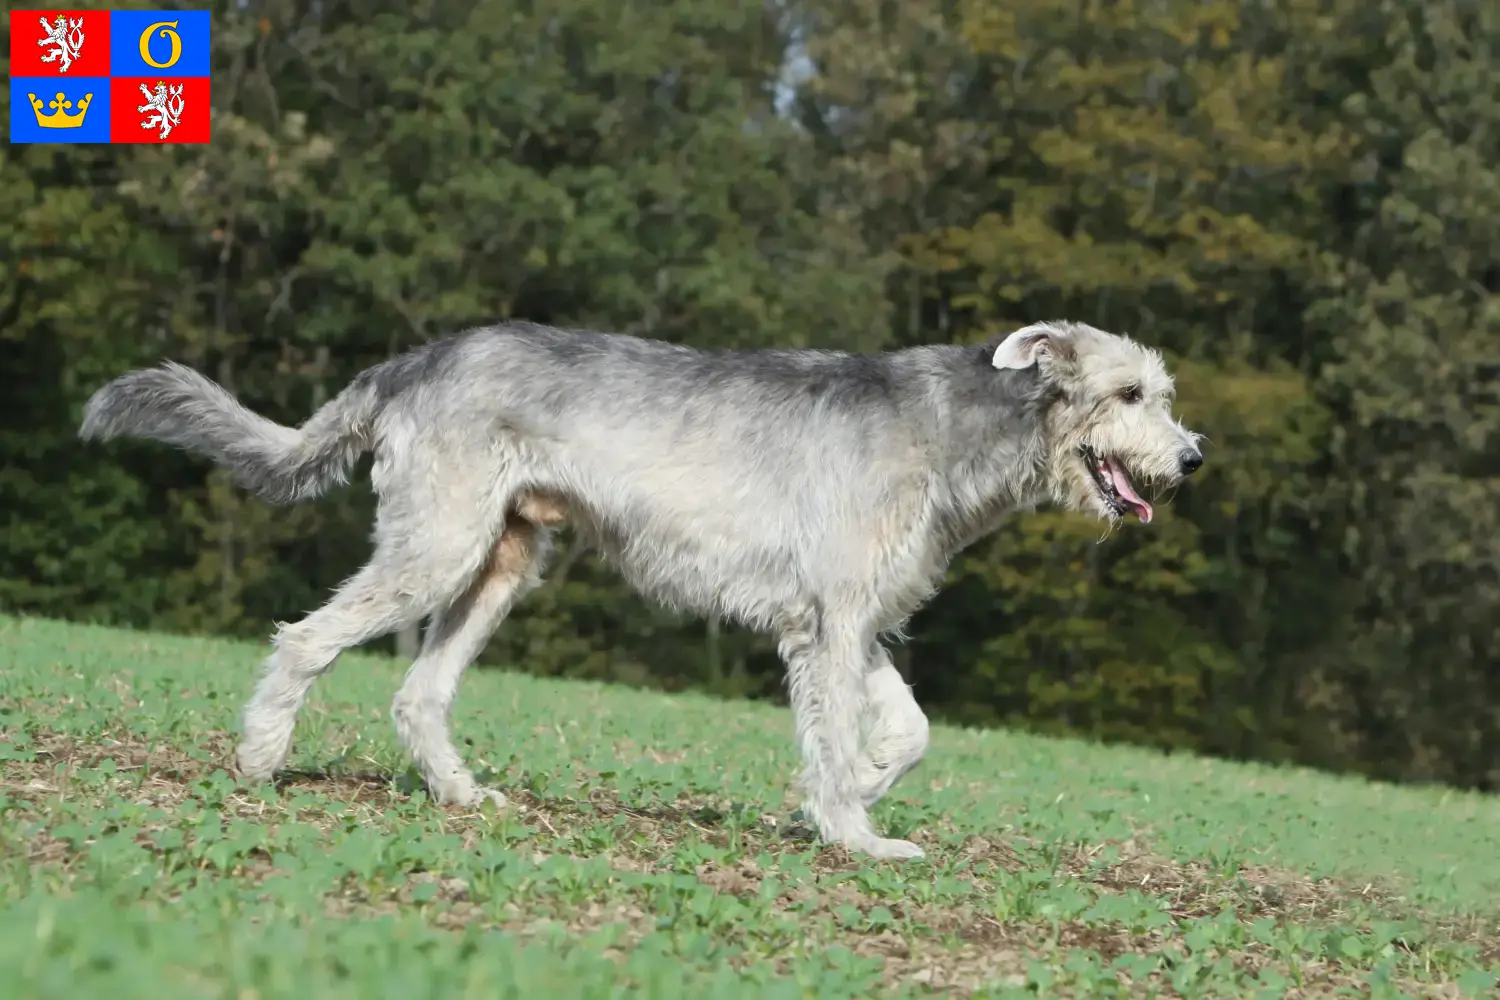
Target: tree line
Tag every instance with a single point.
(1298, 202)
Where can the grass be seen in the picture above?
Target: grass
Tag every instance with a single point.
(650, 850)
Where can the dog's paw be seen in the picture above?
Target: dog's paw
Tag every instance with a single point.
(494, 795)
(467, 792)
(896, 850)
(258, 762)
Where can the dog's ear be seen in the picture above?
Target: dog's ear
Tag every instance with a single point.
(1039, 343)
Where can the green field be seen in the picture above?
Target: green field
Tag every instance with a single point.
(650, 850)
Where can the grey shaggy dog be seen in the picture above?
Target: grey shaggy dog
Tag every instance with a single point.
(813, 494)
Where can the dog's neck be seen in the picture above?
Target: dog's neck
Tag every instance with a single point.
(1004, 414)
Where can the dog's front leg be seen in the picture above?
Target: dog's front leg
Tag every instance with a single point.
(898, 732)
(826, 665)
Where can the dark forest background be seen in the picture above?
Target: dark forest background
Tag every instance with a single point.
(1298, 201)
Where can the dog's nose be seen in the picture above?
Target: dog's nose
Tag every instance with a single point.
(1190, 461)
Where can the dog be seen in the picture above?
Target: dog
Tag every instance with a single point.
(815, 495)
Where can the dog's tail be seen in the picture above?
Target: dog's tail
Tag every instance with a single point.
(176, 405)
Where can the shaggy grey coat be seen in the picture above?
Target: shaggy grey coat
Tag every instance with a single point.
(813, 494)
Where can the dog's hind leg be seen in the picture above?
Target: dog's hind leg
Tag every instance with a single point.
(455, 637)
(826, 665)
(897, 732)
(370, 604)
(426, 554)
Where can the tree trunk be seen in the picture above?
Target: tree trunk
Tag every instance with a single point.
(715, 656)
(226, 518)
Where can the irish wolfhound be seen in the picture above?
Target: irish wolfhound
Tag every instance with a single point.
(813, 494)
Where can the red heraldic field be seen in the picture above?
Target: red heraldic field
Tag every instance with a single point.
(59, 43)
(141, 109)
(110, 76)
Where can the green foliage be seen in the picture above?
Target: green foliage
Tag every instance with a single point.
(1296, 202)
(1415, 326)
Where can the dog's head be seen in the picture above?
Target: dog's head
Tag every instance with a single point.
(1110, 429)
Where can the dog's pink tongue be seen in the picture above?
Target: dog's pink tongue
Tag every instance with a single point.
(1127, 492)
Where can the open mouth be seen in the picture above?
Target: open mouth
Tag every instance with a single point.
(1114, 486)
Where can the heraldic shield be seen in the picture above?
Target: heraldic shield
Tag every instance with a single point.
(110, 76)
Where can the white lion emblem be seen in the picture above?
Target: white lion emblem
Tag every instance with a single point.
(167, 102)
(66, 36)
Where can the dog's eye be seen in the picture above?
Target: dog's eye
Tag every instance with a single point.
(1132, 394)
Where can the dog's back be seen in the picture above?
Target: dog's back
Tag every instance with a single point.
(716, 481)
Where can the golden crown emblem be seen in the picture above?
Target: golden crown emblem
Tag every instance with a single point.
(60, 117)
